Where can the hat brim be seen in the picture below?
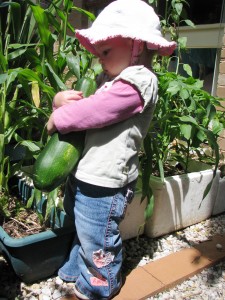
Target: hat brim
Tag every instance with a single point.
(89, 37)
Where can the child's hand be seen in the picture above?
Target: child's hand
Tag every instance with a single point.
(51, 126)
(66, 97)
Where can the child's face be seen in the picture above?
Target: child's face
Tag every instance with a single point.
(114, 55)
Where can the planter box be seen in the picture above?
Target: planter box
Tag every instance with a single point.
(38, 256)
(134, 221)
(219, 206)
(178, 202)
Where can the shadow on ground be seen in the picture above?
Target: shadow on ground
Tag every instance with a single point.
(9, 282)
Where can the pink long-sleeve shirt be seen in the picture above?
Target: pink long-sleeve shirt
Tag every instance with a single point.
(112, 105)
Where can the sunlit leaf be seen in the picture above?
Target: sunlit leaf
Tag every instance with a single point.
(188, 119)
(85, 12)
(189, 23)
(35, 93)
(187, 69)
(33, 147)
(150, 207)
(184, 94)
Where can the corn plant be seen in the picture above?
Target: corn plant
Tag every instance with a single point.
(37, 59)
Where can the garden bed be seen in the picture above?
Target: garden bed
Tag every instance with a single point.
(21, 221)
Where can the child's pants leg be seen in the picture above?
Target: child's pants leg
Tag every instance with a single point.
(98, 212)
(70, 269)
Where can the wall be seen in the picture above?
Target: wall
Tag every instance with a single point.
(221, 91)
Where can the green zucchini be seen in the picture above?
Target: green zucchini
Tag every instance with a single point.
(59, 157)
(62, 152)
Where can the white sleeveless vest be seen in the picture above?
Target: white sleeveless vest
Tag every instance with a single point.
(110, 156)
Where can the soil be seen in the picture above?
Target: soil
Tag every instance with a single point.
(21, 221)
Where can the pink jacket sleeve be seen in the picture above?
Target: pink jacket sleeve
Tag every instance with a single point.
(118, 103)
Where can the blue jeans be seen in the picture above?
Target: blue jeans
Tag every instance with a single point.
(95, 259)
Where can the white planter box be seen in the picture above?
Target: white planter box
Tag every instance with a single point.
(133, 222)
(178, 202)
(219, 206)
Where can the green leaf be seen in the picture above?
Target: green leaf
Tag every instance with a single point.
(59, 82)
(85, 12)
(31, 76)
(189, 23)
(63, 18)
(68, 5)
(33, 147)
(86, 85)
(187, 69)
(53, 21)
(73, 63)
(3, 78)
(161, 170)
(174, 87)
(11, 78)
(188, 119)
(42, 22)
(15, 54)
(37, 195)
(182, 42)
(184, 94)
(186, 130)
(16, 19)
(216, 126)
(3, 63)
(179, 8)
(206, 191)
(150, 207)
(201, 135)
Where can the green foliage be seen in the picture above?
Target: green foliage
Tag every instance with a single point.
(186, 119)
(39, 56)
(38, 59)
(4, 209)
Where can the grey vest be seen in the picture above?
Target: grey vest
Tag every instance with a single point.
(110, 156)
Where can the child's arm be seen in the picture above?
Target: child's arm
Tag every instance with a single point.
(60, 99)
(120, 102)
(66, 97)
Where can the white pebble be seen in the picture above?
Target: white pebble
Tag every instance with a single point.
(44, 297)
(58, 280)
(46, 291)
(56, 294)
(219, 246)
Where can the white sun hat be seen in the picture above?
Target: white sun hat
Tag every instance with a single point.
(133, 19)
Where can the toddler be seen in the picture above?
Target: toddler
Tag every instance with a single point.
(124, 37)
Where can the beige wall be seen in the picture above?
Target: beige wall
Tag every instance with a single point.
(221, 77)
(221, 92)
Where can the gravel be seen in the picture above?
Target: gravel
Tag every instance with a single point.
(207, 285)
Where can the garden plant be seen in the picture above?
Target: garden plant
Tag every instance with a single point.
(186, 119)
(39, 56)
(38, 59)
